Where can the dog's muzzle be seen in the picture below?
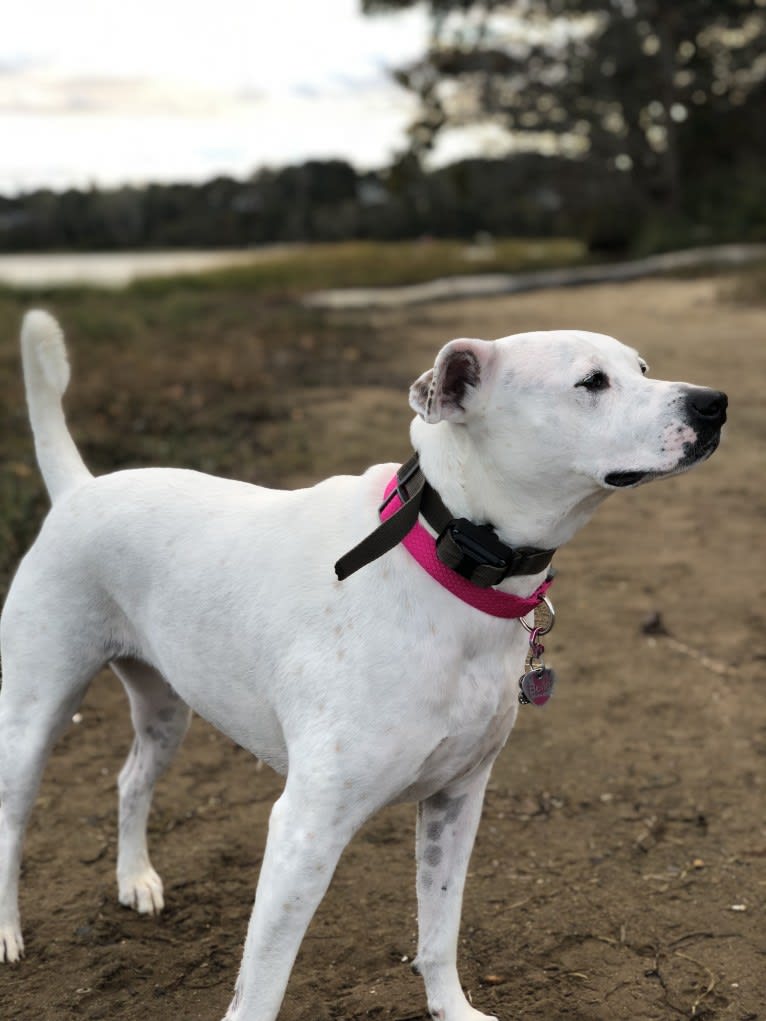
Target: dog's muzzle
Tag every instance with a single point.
(705, 412)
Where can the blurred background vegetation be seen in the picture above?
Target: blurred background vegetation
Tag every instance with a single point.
(632, 125)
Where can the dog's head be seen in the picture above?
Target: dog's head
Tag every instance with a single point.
(558, 418)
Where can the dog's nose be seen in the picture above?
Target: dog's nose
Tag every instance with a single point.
(707, 406)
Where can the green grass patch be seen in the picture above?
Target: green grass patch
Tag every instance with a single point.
(374, 264)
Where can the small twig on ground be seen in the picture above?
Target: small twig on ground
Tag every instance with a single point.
(711, 981)
(655, 971)
(708, 662)
(654, 627)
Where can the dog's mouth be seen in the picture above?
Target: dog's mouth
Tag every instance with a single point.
(621, 480)
(694, 453)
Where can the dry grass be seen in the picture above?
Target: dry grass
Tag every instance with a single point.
(379, 264)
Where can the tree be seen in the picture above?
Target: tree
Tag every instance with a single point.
(628, 83)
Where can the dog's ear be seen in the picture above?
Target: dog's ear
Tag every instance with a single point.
(447, 391)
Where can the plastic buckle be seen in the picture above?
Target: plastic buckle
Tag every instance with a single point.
(399, 489)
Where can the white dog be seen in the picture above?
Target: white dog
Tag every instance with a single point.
(388, 686)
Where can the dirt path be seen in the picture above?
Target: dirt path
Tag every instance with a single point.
(620, 869)
(492, 284)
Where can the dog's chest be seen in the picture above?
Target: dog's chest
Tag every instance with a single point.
(466, 714)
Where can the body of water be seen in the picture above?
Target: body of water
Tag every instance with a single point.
(117, 269)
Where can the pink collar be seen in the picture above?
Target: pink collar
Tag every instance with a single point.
(421, 545)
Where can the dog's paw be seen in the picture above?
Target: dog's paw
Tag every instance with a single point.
(142, 893)
(11, 944)
(465, 1013)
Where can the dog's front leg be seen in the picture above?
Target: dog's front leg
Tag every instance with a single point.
(446, 828)
(308, 830)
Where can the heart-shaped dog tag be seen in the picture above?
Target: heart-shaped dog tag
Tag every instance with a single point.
(536, 686)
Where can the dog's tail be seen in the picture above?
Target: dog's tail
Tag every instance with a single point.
(46, 375)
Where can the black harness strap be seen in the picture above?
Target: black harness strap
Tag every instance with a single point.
(473, 551)
(409, 489)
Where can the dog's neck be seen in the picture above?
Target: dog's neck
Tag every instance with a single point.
(473, 486)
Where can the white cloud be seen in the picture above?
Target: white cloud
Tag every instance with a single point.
(105, 92)
(110, 149)
(271, 45)
(43, 92)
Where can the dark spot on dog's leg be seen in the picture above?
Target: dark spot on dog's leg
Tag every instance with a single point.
(440, 802)
(454, 808)
(433, 855)
(435, 830)
(451, 807)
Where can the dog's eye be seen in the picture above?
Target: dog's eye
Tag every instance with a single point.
(597, 380)
(644, 367)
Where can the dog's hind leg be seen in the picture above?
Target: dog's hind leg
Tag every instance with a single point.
(44, 680)
(160, 720)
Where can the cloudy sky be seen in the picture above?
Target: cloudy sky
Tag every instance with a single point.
(96, 91)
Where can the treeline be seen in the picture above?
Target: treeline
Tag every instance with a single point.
(527, 195)
(655, 112)
(672, 96)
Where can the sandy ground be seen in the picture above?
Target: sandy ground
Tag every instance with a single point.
(620, 868)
